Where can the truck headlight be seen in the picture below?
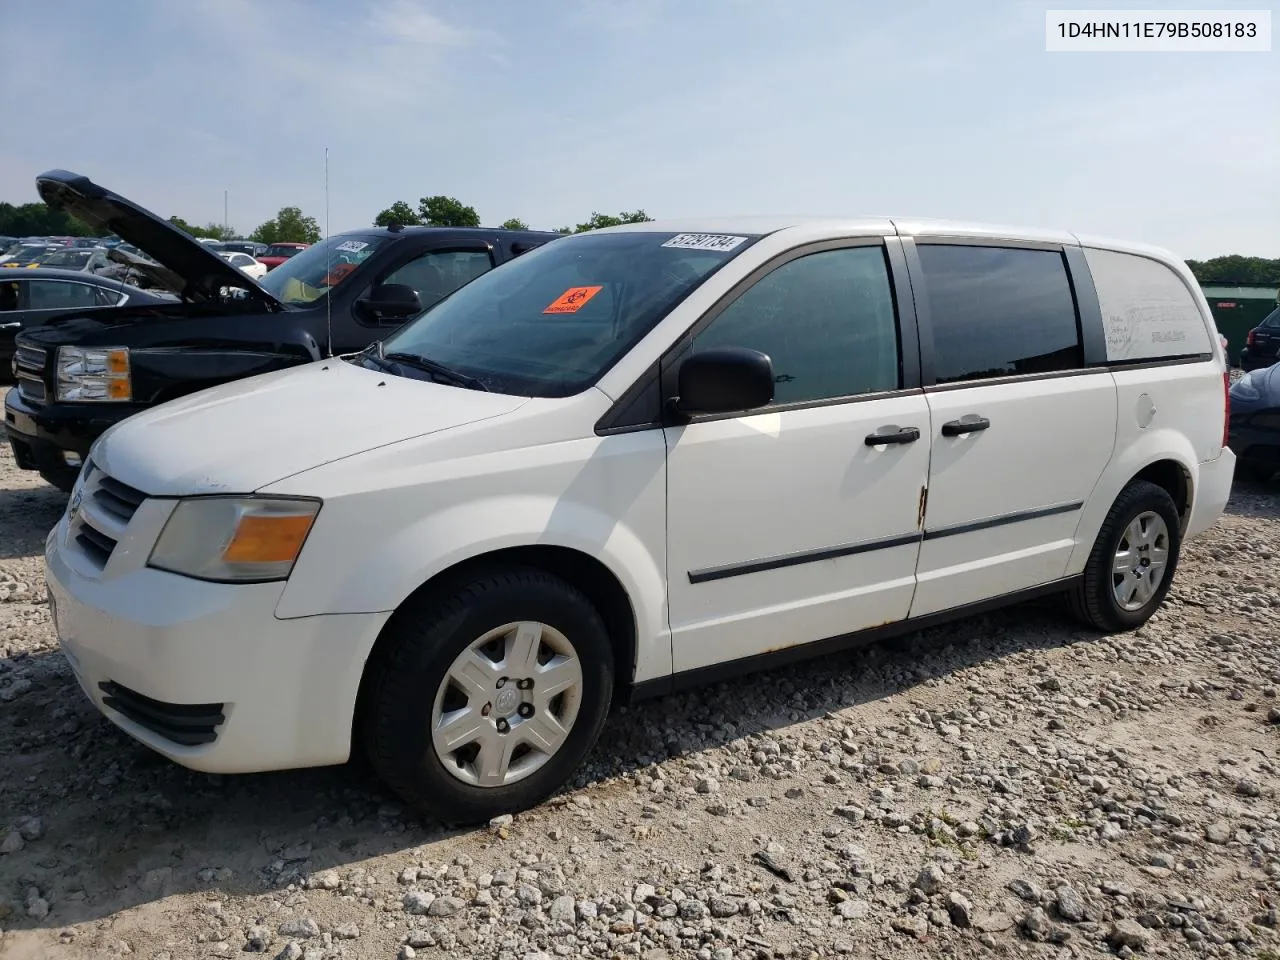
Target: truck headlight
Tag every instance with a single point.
(234, 539)
(94, 374)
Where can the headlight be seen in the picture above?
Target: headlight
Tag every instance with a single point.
(94, 374)
(234, 539)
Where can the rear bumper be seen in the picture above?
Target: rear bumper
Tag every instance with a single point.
(1212, 491)
(1255, 361)
(41, 434)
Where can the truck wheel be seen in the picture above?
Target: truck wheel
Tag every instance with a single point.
(63, 478)
(484, 701)
(1132, 564)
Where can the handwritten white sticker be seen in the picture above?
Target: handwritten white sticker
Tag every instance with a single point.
(1147, 311)
(704, 241)
(351, 246)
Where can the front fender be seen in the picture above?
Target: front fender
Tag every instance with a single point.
(342, 571)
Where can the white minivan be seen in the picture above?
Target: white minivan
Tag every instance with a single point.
(632, 460)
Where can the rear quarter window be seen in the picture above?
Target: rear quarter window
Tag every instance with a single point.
(1147, 311)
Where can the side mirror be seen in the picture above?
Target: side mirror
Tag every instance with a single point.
(389, 301)
(724, 380)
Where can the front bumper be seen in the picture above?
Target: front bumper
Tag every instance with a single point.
(204, 673)
(40, 433)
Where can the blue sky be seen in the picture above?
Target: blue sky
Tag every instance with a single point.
(550, 109)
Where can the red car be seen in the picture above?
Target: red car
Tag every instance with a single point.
(278, 253)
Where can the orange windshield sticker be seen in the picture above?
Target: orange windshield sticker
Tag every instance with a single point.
(573, 300)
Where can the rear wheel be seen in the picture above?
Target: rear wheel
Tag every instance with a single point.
(485, 701)
(1131, 566)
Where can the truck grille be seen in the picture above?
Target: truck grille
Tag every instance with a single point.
(28, 371)
(103, 514)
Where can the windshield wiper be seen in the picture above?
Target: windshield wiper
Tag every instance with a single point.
(439, 370)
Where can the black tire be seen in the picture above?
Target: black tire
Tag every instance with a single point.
(1093, 600)
(64, 479)
(1254, 471)
(419, 646)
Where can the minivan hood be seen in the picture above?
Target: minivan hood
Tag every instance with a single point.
(203, 272)
(244, 435)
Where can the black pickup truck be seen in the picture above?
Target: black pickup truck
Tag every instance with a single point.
(80, 373)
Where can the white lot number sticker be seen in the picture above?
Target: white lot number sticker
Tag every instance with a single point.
(704, 241)
(351, 246)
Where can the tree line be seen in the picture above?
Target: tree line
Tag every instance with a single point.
(291, 225)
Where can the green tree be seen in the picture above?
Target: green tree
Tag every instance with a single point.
(1237, 269)
(398, 214)
(214, 231)
(515, 223)
(39, 220)
(288, 226)
(599, 220)
(440, 211)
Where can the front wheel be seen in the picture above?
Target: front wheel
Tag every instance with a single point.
(485, 701)
(1131, 566)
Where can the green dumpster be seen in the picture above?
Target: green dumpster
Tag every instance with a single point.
(1237, 309)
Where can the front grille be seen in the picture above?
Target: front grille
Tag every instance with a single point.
(31, 390)
(29, 358)
(186, 724)
(105, 509)
(28, 370)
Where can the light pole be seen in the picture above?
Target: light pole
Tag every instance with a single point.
(226, 227)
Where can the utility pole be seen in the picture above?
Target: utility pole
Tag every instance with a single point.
(226, 225)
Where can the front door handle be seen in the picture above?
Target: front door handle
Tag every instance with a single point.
(969, 423)
(10, 326)
(894, 434)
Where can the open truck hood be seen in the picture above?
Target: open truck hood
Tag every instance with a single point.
(201, 273)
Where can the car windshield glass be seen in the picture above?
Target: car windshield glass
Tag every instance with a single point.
(1271, 320)
(552, 321)
(74, 259)
(316, 270)
(30, 251)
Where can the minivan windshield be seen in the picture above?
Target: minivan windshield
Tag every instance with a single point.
(552, 321)
(307, 277)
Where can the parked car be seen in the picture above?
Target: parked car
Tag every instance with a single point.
(251, 247)
(1262, 343)
(335, 297)
(32, 298)
(248, 264)
(1255, 423)
(84, 259)
(630, 461)
(26, 255)
(278, 253)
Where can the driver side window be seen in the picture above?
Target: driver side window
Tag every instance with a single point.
(827, 321)
(438, 273)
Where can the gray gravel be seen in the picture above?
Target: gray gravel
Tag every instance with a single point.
(1007, 785)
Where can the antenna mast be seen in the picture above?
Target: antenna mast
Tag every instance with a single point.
(328, 264)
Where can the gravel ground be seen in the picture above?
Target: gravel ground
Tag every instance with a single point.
(1006, 786)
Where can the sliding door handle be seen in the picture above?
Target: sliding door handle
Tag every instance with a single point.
(894, 434)
(969, 423)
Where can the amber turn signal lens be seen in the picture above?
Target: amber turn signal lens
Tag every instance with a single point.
(268, 539)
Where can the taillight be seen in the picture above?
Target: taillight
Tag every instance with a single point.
(1226, 407)
(1251, 339)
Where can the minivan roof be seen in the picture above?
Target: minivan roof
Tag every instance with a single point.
(903, 226)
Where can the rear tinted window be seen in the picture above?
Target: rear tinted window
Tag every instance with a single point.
(999, 311)
(1147, 311)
